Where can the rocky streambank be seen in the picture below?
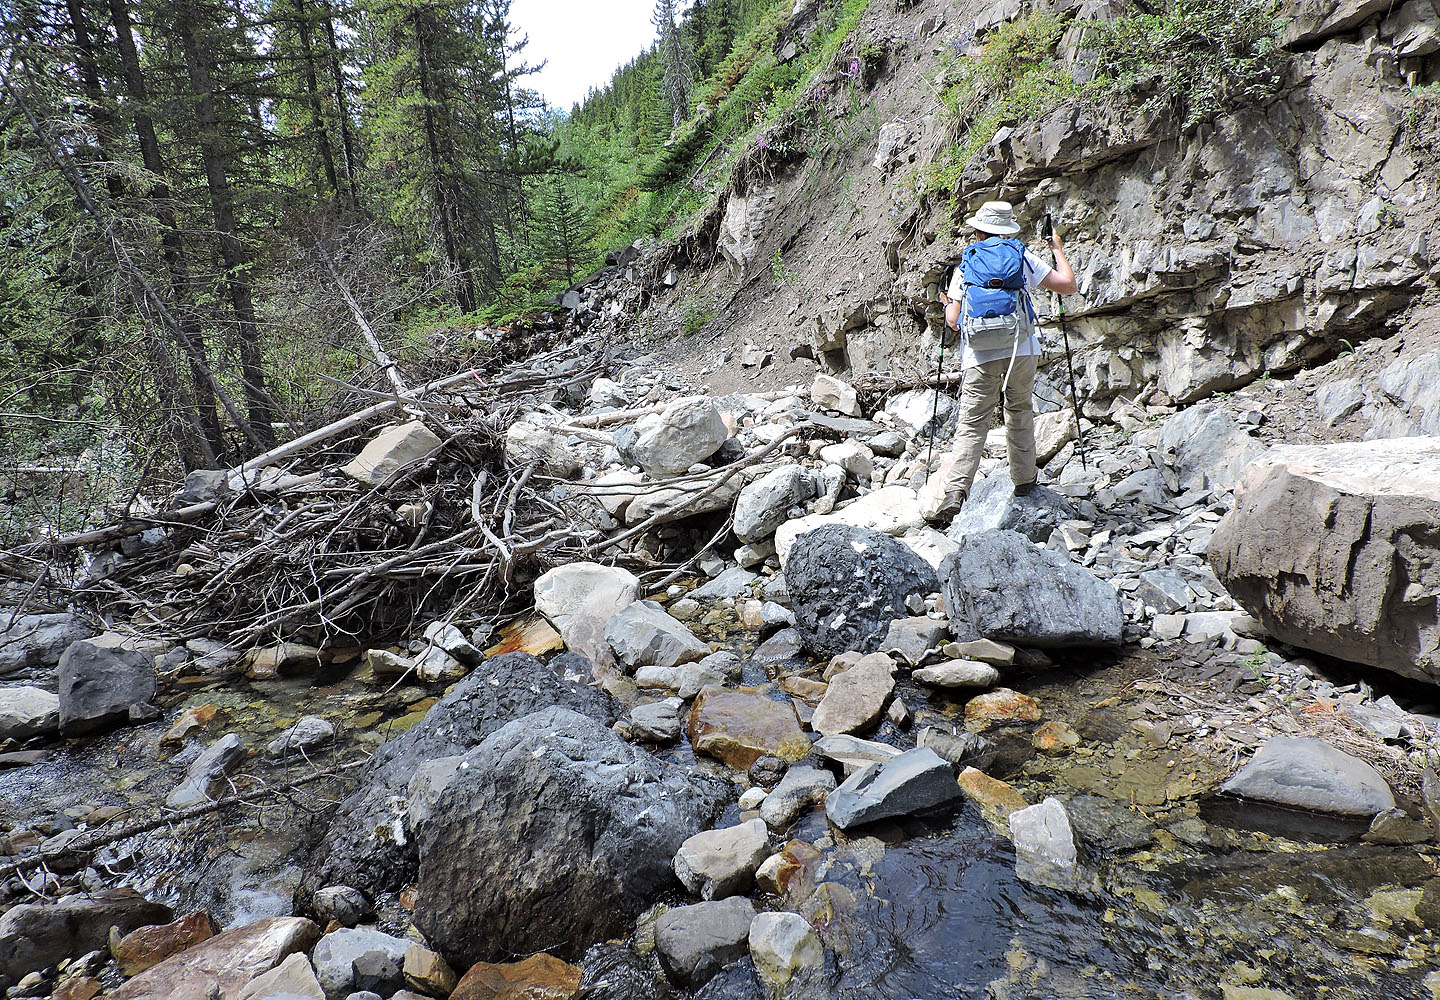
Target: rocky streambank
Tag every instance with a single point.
(787, 738)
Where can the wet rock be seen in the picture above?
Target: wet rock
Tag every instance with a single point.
(997, 799)
(308, 732)
(912, 638)
(739, 727)
(528, 443)
(27, 712)
(101, 688)
(359, 958)
(1311, 774)
(851, 753)
(38, 935)
(592, 863)
(37, 640)
(344, 904)
(719, 863)
(1046, 853)
(993, 505)
(958, 674)
(893, 510)
(539, 977)
(580, 598)
(228, 961)
(644, 634)
(1000, 707)
(657, 722)
(855, 698)
(391, 451)
(764, 504)
(214, 763)
(782, 647)
(1055, 738)
(767, 771)
(428, 972)
(917, 781)
(783, 945)
(385, 665)
(848, 584)
(368, 845)
(695, 941)
(800, 789)
(833, 394)
(1364, 589)
(281, 660)
(1000, 586)
(687, 431)
(1202, 447)
(145, 947)
(292, 979)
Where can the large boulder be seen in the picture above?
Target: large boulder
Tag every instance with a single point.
(740, 727)
(848, 584)
(1311, 774)
(360, 958)
(695, 941)
(764, 504)
(580, 598)
(26, 712)
(37, 640)
(916, 781)
(554, 833)
(223, 965)
(993, 504)
(1000, 585)
(391, 451)
(101, 687)
(688, 430)
(893, 510)
(1336, 548)
(1202, 447)
(368, 845)
(644, 635)
(37, 935)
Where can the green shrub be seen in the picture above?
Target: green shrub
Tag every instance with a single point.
(697, 314)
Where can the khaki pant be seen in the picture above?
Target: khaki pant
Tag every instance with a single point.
(978, 398)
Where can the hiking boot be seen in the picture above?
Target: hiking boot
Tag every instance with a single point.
(1023, 489)
(941, 517)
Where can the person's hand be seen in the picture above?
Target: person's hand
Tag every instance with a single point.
(1055, 243)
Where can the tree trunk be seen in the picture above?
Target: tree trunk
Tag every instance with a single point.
(312, 88)
(342, 107)
(258, 404)
(190, 342)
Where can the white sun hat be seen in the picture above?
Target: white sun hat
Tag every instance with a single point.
(996, 218)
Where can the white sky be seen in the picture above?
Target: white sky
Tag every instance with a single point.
(584, 41)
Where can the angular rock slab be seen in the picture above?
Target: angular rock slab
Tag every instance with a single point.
(1046, 853)
(367, 845)
(102, 687)
(893, 510)
(689, 430)
(848, 584)
(1001, 586)
(916, 781)
(694, 942)
(390, 451)
(855, 698)
(801, 788)
(555, 834)
(292, 979)
(737, 728)
(580, 599)
(993, 505)
(644, 635)
(765, 504)
(228, 961)
(1311, 774)
(1202, 447)
(359, 958)
(26, 712)
(1336, 548)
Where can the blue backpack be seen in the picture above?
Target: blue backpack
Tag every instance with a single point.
(995, 308)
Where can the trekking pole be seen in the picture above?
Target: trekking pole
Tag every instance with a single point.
(935, 411)
(1069, 362)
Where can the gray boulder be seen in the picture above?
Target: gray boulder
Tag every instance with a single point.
(1311, 774)
(37, 640)
(993, 504)
(1202, 447)
(847, 585)
(104, 687)
(1334, 548)
(359, 958)
(999, 585)
(687, 431)
(801, 788)
(765, 504)
(35, 936)
(554, 834)
(26, 712)
(644, 635)
(216, 761)
(1046, 852)
(368, 845)
(916, 781)
(719, 863)
(694, 942)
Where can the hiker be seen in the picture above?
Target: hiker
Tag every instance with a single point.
(1000, 354)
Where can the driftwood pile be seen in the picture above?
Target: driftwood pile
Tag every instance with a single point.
(299, 550)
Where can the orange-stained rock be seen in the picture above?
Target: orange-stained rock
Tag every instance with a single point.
(539, 977)
(225, 962)
(1055, 738)
(191, 720)
(996, 799)
(804, 687)
(796, 861)
(740, 727)
(534, 637)
(79, 989)
(1000, 706)
(146, 947)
